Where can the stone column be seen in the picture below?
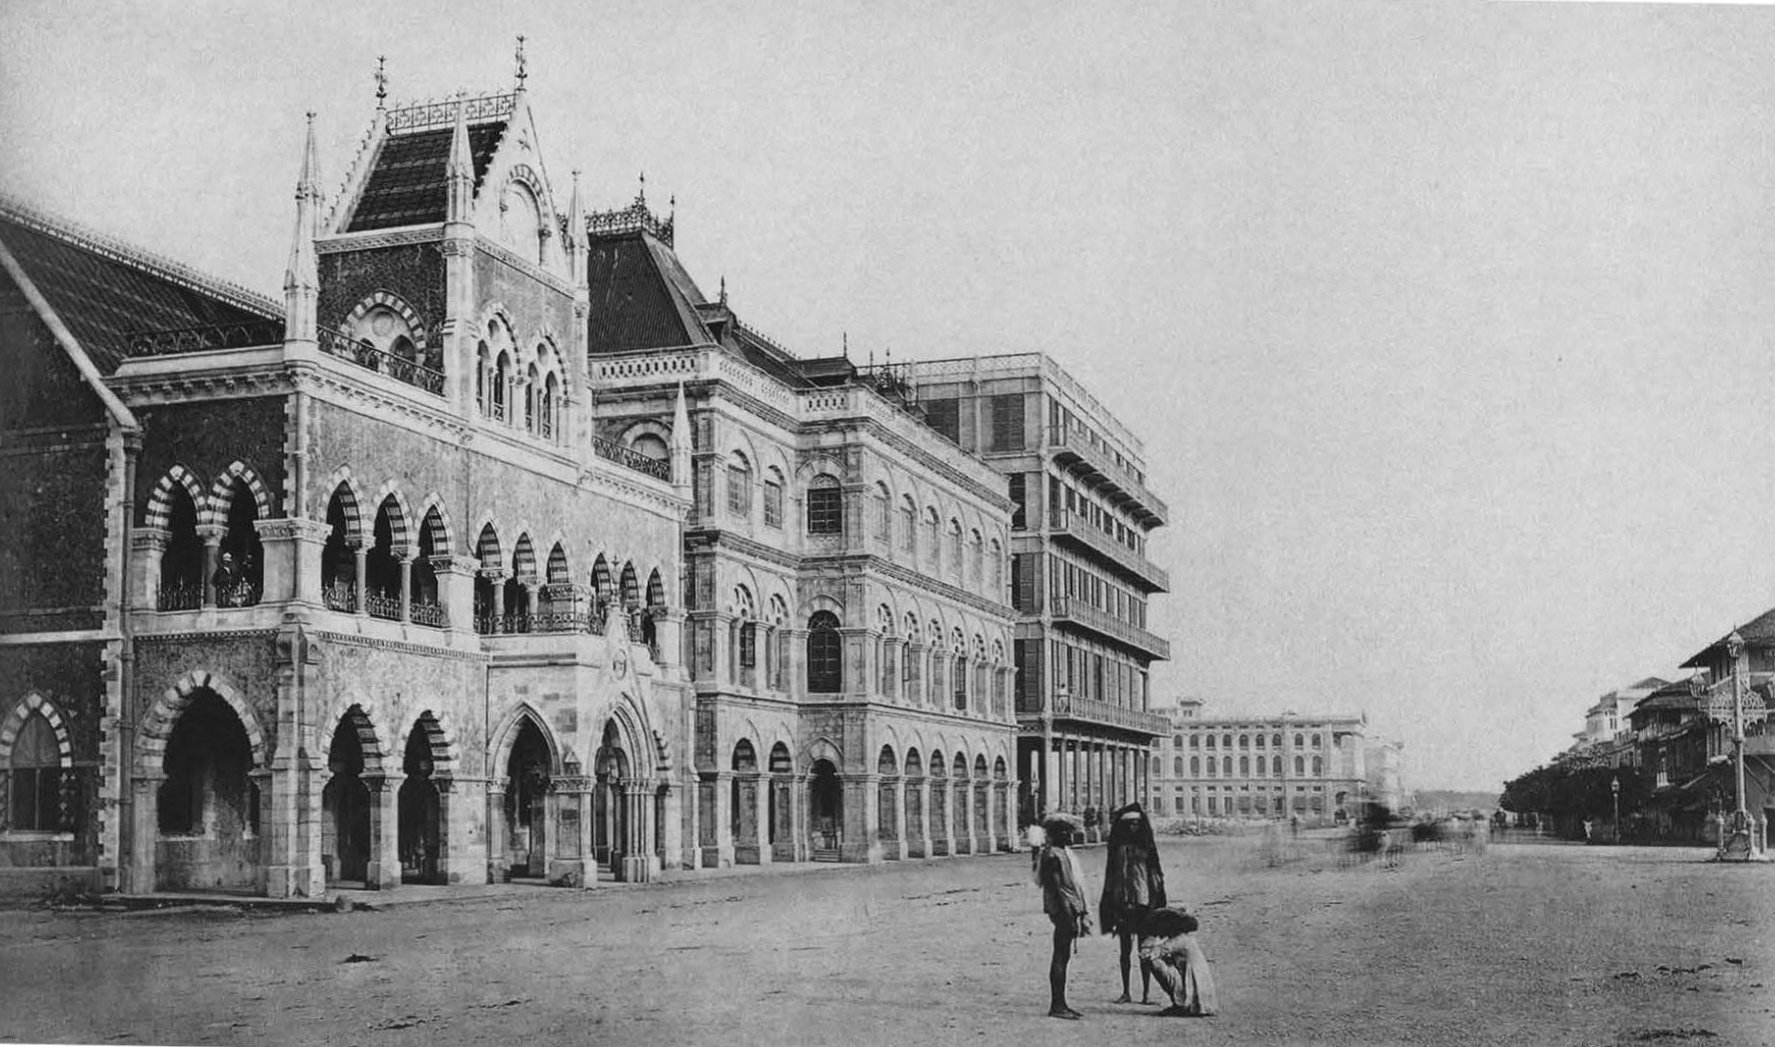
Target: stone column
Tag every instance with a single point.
(962, 832)
(499, 864)
(145, 834)
(782, 829)
(724, 842)
(915, 662)
(385, 838)
(899, 799)
(293, 548)
(148, 549)
(762, 829)
(406, 560)
(212, 550)
(671, 802)
(456, 590)
(918, 827)
(862, 828)
(362, 553)
(798, 817)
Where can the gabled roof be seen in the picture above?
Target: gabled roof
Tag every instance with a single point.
(1670, 696)
(106, 291)
(641, 297)
(1758, 632)
(407, 184)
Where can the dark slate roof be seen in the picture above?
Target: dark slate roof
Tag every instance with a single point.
(1758, 632)
(106, 291)
(1670, 696)
(641, 296)
(407, 186)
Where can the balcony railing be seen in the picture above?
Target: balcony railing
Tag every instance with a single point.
(425, 612)
(1072, 525)
(1105, 714)
(208, 337)
(658, 468)
(1109, 626)
(189, 597)
(1100, 465)
(340, 598)
(371, 358)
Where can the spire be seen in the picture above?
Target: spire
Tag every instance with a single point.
(681, 445)
(576, 235)
(302, 274)
(523, 70)
(460, 170)
(641, 193)
(381, 82)
(723, 288)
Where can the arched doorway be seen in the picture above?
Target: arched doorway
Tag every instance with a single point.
(916, 842)
(345, 802)
(526, 801)
(962, 841)
(742, 801)
(939, 845)
(421, 828)
(782, 831)
(610, 824)
(888, 768)
(826, 807)
(208, 804)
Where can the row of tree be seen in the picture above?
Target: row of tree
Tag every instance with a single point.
(1570, 795)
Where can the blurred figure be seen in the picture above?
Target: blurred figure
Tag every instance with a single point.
(1062, 880)
(1168, 943)
(1133, 885)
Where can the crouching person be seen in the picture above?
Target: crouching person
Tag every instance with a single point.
(1168, 942)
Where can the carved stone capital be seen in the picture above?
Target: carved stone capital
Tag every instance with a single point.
(146, 539)
(293, 527)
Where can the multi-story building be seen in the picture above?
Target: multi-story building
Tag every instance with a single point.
(1316, 767)
(1080, 578)
(1606, 739)
(463, 562)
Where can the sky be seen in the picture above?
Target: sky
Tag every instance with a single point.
(1446, 325)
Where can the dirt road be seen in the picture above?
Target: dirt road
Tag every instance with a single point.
(1523, 944)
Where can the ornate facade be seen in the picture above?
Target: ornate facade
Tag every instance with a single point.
(1316, 768)
(495, 550)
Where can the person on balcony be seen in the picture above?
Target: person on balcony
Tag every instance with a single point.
(226, 581)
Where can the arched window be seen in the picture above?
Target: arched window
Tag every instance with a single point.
(1318, 767)
(482, 364)
(739, 486)
(36, 777)
(955, 560)
(976, 558)
(1177, 741)
(825, 654)
(651, 445)
(909, 521)
(1260, 741)
(881, 512)
(1244, 766)
(1260, 767)
(958, 678)
(1276, 767)
(1211, 741)
(931, 526)
(1300, 742)
(502, 380)
(1300, 765)
(748, 627)
(825, 506)
(1275, 741)
(1244, 741)
(1213, 767)
(773, 498)
(1195, 741)
(1195, 767)
(1317, 744)
(1226, 741)
(1176, 766)
(551, 401)
(1226, 766)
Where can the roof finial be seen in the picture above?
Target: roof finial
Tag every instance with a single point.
(381, 81)
(641, 193)
(847, 344)
(523, 71)
(674, 205)
(723, 288)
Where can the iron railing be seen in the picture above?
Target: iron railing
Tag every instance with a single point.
(340, 597)
(1073, 525)
(422, 116)
(237, 594)
(240, 335)
(1103, 622)
(427, 612)
(383, 605)
(371, 358)
(1101, 462)
(179, 597)
(658, 468)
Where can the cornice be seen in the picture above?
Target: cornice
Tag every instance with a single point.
(207, 634)
(379, 238)
(508, 257)
(223, 383)
(401, 646)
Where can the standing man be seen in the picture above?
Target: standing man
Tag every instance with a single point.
(1062, 880)
(1133, 885)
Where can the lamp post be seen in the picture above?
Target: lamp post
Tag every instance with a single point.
(1615, 789)
(1741, 706)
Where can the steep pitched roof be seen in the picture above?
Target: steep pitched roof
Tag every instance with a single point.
(1758, 632)
(407, 184)
(106, 291)
(641, 297)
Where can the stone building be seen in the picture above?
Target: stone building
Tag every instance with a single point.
(1316, 767)
(1080, 576)
(462, 563)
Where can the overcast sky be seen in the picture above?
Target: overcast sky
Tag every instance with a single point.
(1447, 326)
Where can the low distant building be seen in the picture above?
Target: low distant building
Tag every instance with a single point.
(1311, 766)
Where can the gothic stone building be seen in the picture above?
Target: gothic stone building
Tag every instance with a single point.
(494, 550)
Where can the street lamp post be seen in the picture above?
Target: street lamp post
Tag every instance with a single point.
(1740, 707)
(1615, 789)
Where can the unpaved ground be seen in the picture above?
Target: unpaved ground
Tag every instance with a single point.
(1524, 944)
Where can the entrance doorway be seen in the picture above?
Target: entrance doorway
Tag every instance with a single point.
(345, 802)
(208, 806)
(420, 809)
(826, 796)
(526, 802)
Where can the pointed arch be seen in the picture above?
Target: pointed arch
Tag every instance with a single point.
(559, 571)
(631, 586)
(524, 559)
(222, 493)
(34, 704)
(505, 736)
(438, 743)
(656, 590)
(158, 512)
(400, 516)
(344, 492)
(487, 548)
(602, 584)
(157, 725)
(375, 753)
